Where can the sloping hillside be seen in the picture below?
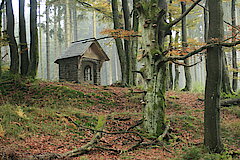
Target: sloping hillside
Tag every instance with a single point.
(40, 117)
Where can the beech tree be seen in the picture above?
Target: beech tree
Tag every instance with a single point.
(188, 78)
(14, 56)
(154, 56)
(34, 55)
(1, 36)
(234, 52)
(214, 74)
(152, 21)
(23, 39)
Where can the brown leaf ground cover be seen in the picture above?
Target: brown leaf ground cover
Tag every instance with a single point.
(56, 117)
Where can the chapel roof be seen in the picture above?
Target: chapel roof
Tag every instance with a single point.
(79, 48)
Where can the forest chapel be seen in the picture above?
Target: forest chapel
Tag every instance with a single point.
(82, 62)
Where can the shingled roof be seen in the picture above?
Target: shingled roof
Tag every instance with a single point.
(79, 48)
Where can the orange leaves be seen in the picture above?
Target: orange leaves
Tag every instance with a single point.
(119, 33)
(192, 45)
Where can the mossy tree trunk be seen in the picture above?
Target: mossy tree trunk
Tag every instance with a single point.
(153, 26)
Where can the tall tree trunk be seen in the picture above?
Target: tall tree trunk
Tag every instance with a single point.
(177, 73)
(56, 45)
(23, 39)
(128, 55)
(234, 52)
(206, 20)
(68, 33)
(170, 64)
(119, 44)
(154, 72)
(34, 55)
(14, 65)
(134, 45)
(47, 40)
(1, 37)
(226, 85)
(40, 40)
(187, 72)
(75, 22)
(212, 138)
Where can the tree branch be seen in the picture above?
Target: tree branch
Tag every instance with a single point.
(185, 65)
(223, 20)
(173, 58)
(183, 15)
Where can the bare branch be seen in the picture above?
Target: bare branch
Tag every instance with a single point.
(106, 37)
(173, 58)
(85, 4)
(185, 65)
(183, 15)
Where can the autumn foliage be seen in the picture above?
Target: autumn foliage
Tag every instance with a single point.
(120, 33)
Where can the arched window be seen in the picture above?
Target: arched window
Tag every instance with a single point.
(87, 73)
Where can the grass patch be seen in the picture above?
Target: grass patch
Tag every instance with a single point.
(198, 87)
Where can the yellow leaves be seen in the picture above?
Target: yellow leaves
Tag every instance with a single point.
(2, 132)
(119, 33)
(20, 113)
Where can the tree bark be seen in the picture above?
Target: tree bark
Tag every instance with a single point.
(119, 44)
(23, 39)
(226, 86)
(177, 73)
(47, 41)
(188, 77)
(153, 36)
(34, 53)
(14, 56)
(134, 45)
(212, 138)
(234, 52)
(127, 46)
(1, 37)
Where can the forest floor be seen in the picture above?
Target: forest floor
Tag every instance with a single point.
(39, 117)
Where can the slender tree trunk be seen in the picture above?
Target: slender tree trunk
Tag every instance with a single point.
(56, 45)
(1, 37)
(234, 52)
(68, 33)
(34, 55)
(206, 20)
(47, 40)
(40, 40)
(226, 85)
(119, 44)
(75, 22)
(187, 72)
(176, 79)
(128, 55)
(23, 39)
(14, 65)
(212, 137)
(134, 47)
